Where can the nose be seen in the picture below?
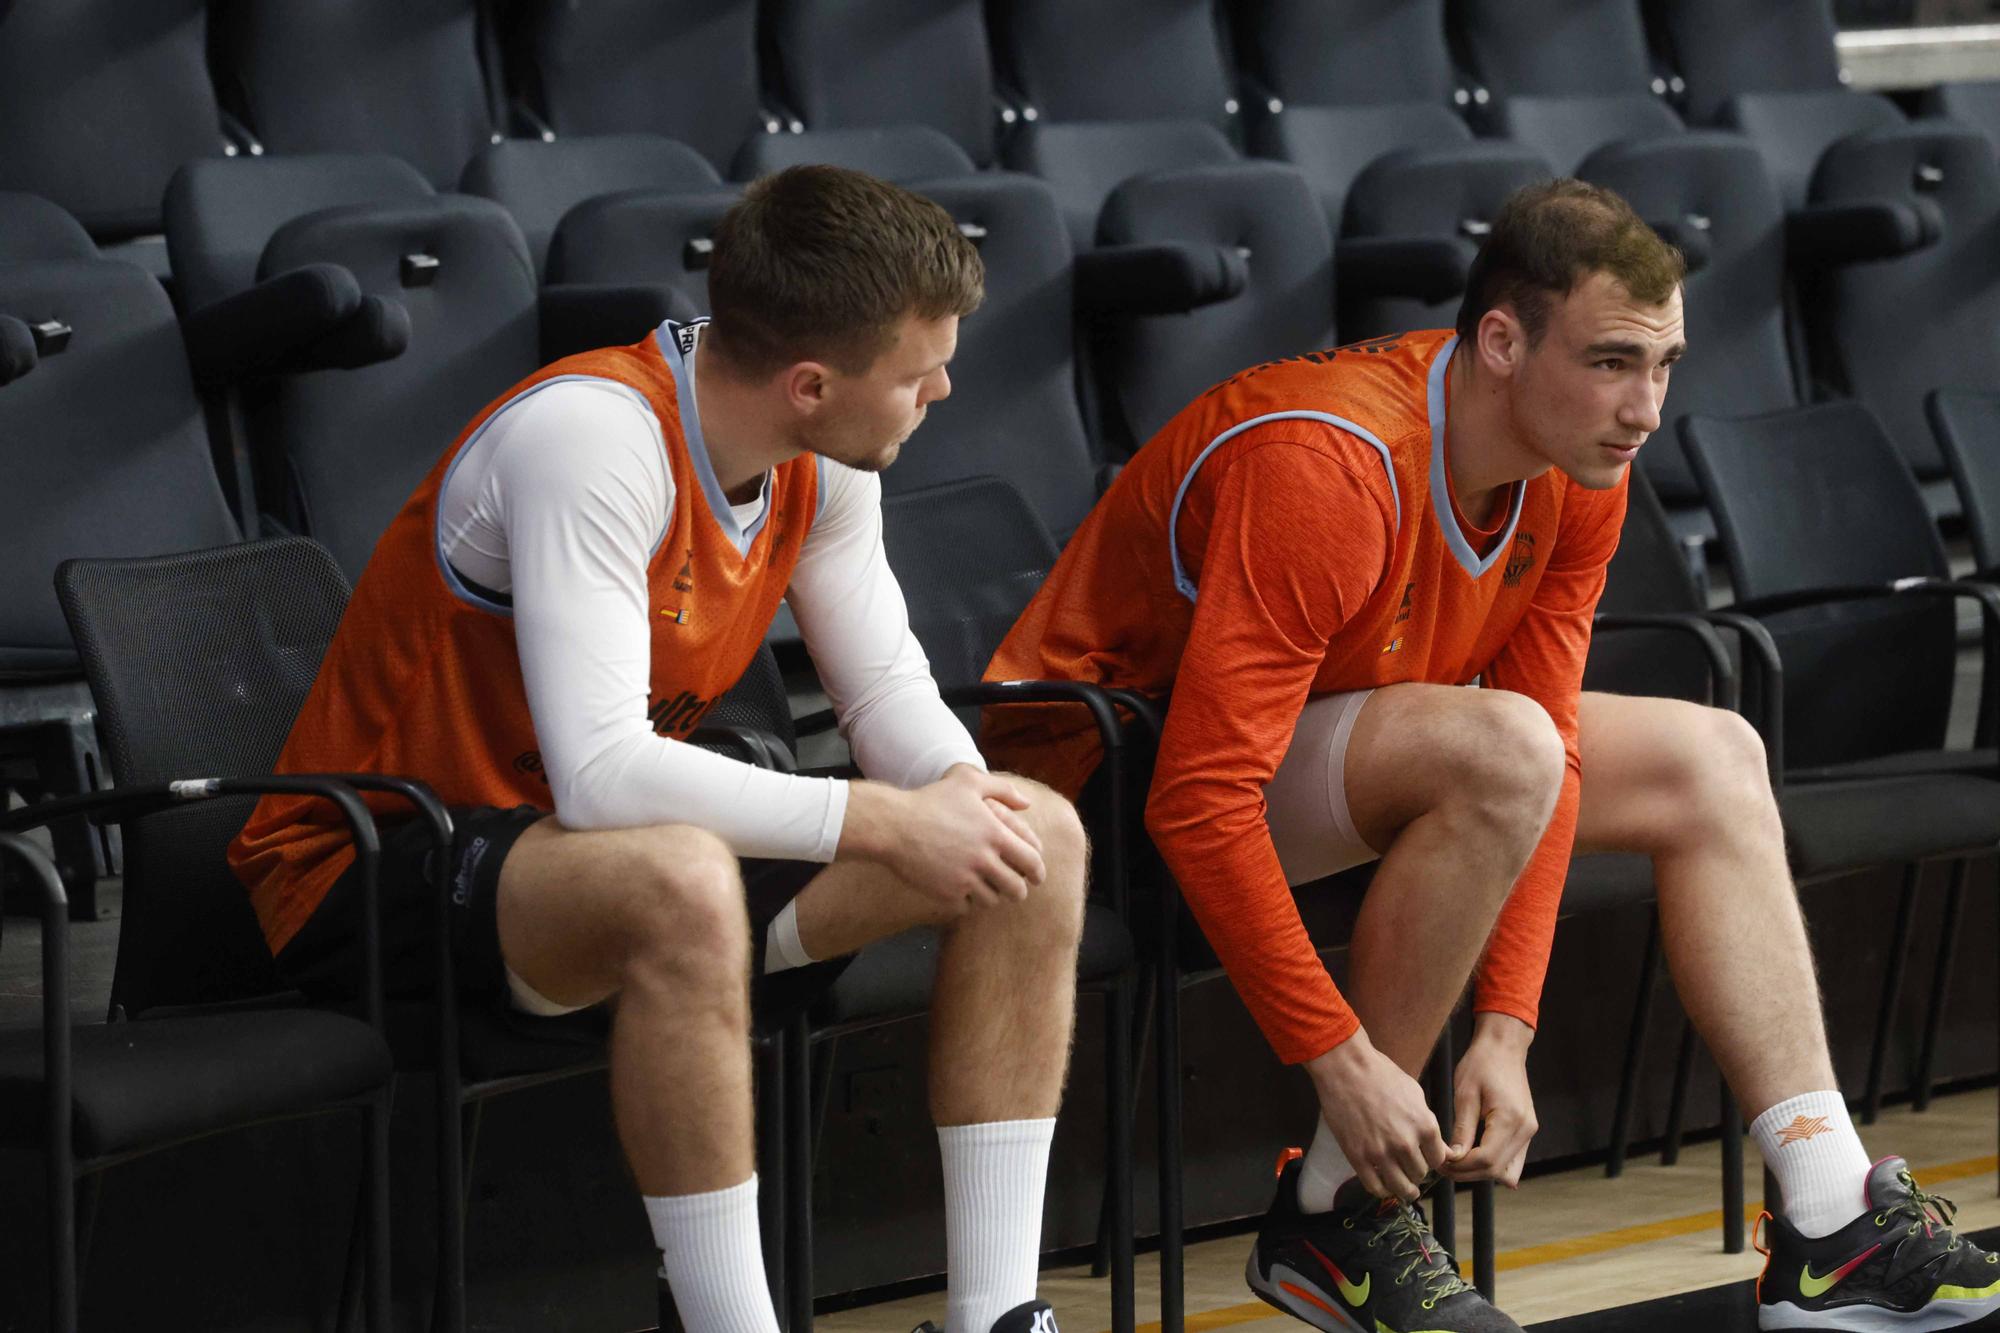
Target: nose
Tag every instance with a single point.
(939, 387)
(1641, 410)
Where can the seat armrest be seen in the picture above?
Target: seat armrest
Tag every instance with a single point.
(1169, 278)
(1831, 234)
(309, 318)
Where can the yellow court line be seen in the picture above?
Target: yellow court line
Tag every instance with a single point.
(1597, 1243)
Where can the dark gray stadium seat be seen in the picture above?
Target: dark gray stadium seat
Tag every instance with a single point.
(539, 181)
(104, 449)
(1334, 87)
(1566, 76)
(1448, 196)
(852, 64)
(99, 108)
(643, 236)
(1967, 424)
(390, 76)
(1154, 366)
(1739, 360)
(1890, 332)
(1110, 91)
(685, 69)
(1975, 103)
(1115, 60)
(900, 153)
(1771, 71)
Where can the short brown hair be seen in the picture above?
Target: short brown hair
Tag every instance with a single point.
(821, 263)
(1550, 237)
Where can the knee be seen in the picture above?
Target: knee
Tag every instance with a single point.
(687, 924)
(1719, 772)
(1055, 906)
(1513, 762)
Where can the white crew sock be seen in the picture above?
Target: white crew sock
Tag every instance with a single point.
(713, 1259)
(994, 1176)
(782, 946)
(1323, 1172)
(1822, 1169)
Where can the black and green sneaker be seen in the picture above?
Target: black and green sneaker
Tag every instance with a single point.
(1897, 1266)
(1368, 1266)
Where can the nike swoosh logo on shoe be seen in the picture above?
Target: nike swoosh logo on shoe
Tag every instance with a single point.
(1353, 1295)
(1810, 1286)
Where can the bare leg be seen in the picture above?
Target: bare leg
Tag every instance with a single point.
(655, 916)
(1688, 786)
(1458, 785)
(1006, 982)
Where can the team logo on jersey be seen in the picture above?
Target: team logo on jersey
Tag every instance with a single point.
(1403, 613)
(1394, 645)
(529, 763)
(1520, 560)
(682, 713)
(677, 614)
(684, 581)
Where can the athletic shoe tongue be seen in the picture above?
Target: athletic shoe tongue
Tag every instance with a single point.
(1885, 1185)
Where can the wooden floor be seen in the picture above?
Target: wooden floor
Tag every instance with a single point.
(1569, 1243)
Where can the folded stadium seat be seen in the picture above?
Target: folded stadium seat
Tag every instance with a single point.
(1892, 331)
(687, 71)
(968, 555)
(1110, 90)
(1331, 88)
(659, 237)
(1565, 76)
(100, 110)
(1851, 581)
(882, 81)
(103, 446)
(539, 181)
(1710, 192)
(1414, 221)
(1772, 71)
(406, 77)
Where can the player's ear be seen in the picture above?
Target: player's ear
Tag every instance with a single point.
(1502, 342)
(806, 386)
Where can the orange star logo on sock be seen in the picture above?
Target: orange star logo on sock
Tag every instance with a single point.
(1803, 1128)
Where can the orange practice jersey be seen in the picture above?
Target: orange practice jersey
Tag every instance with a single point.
(1291, 533)
(423, 678)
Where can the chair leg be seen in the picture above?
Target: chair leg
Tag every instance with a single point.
(1892, 986)
(62, 1239)
(1118, 1152)
(1484, 1249)
(1444, 1197)
(1635, 1050)
(1954, 908)
(798, 1122)
(448, 1309)
(1167, 996)
(65, 755)
(772, 1211)
(1670, 1146)
(1732, 1173)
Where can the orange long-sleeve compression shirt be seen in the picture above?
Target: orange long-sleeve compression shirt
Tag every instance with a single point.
(1291, 533)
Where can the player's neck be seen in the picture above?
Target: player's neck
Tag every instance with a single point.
(1484, 452)
(745, 438)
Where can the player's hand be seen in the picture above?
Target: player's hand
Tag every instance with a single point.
(961, 840)
(1493, 1119)
(1380, 1119)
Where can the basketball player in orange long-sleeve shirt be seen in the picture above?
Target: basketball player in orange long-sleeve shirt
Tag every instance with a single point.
(1311, 559)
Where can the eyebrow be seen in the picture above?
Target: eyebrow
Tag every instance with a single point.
(1630, 351)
